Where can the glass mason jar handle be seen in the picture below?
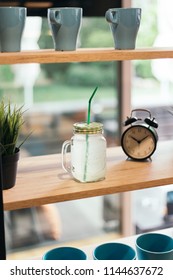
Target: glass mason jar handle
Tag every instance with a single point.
(65, 165)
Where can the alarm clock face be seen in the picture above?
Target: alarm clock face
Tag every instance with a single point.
(139, 142)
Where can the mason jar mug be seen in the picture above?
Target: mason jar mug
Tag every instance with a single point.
(88, 153)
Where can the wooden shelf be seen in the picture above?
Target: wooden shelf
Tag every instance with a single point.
(41, 180)
(84, 55)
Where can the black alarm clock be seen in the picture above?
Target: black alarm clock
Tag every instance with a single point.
(139, 140)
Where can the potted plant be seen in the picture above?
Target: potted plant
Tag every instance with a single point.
(11, 121)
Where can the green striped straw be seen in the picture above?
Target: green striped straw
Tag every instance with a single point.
(89, 105)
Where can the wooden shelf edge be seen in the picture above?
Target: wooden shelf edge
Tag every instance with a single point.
(84, 55)
(41, 180)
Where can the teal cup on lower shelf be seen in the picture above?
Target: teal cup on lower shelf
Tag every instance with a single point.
(114, 251)
(65, 253)
(154, 246)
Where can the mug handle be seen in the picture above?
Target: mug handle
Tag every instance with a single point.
(55, 17)
(111, 17)
(65, 164)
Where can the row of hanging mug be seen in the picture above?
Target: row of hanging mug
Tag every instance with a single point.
(65, 24)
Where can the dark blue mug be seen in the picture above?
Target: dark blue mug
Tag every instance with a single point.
(65, 253)
(114, 251)
(154, 246)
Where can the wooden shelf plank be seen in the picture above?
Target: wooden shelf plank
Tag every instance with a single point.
(41, 180)
(84, 55)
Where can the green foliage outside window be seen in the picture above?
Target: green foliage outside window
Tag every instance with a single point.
(146, 35)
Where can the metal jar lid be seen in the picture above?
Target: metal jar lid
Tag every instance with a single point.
(91, 128)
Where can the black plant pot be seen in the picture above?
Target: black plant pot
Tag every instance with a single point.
(9, 169)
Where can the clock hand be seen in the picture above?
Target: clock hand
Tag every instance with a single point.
(143, 139)
(135, 139)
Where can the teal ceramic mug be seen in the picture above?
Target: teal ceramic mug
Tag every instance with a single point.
(124, 24)
(114, 251)
(65, 253)
(154, 246)
(12, 23)
(65, 26)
